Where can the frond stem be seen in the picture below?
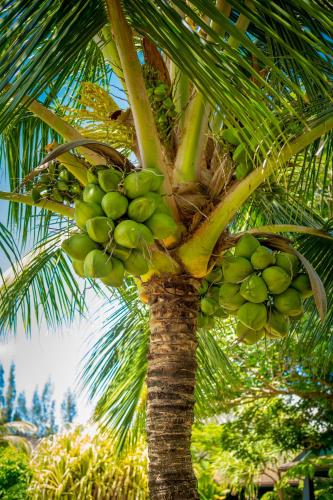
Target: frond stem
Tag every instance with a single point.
(146, 132)
(196, 252)
(290, 228)
(52, 206)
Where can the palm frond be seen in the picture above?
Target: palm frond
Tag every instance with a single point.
(215, 374)
(115, 368)
(43, 45)
(40, 286)
(22, 148)
(312, 333)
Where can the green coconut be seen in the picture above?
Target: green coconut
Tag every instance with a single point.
(277, 324)
(203, 287)
(161, 225)
(228, 290)
(208, 306)
(215, 276)
(297, 317)
(140, 209)
(97, 264)
(36, 194)
(136, 263)
(114, 205)
(221, 313)
(156, 180)
(109, 179)
(289, 302)
(64, 175)
(205, 321)
(78, 266)
(160, 206)
(262, 258)
(253, 316)
(138, 183)
(276, 279)
(247, 335)
(62, 186)
(236, 269)
(84, 211)
(229, 296)
(75, 189)
(254, 289)
(116, 277)
(118, 251)
(231, 135)
(127, 234)
(131, 234)
(246, 246)
(92, 193)
(92, 178)
(57, 196)
(78, 246)
(302, 284)
(146, 237)
(92, 173)
(100, 229)
(289, 262)
(213, 292)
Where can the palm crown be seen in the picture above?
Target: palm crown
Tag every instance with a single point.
(232, 106)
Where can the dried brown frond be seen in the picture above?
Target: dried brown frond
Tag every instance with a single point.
(155, 60)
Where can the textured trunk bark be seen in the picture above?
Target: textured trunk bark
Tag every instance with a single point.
(171, 379)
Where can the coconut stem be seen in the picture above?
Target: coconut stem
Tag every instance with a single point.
(52, 206)
(193, 140)
(110, 53)
(290, 228)
(63, 128)
(146, 132)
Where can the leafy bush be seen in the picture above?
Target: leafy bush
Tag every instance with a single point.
(15, 474)
(77, 465)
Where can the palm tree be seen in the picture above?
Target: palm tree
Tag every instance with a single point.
(261, 71)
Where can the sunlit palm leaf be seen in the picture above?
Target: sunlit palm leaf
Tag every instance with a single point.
(115, 369)
(58, 35)
(40, 286)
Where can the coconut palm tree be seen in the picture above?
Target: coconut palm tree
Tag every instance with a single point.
(233, 107)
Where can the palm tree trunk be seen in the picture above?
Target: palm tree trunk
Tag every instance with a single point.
(171, 379)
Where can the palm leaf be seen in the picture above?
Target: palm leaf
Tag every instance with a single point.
(58, 36)
(41, 286)
(215, 373)
(115, 368)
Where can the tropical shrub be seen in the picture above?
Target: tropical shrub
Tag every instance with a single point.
(15, 474)
(84, 467)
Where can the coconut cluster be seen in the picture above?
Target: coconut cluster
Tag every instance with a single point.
(119, 217)
(263, 289)
(160, 98)
(57, 184)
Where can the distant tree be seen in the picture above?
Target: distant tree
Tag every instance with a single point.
(2, 387)
(53, 425)
(68, 407)
(21, 411)
(36, 409)
(46, 407)
(11, 394)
